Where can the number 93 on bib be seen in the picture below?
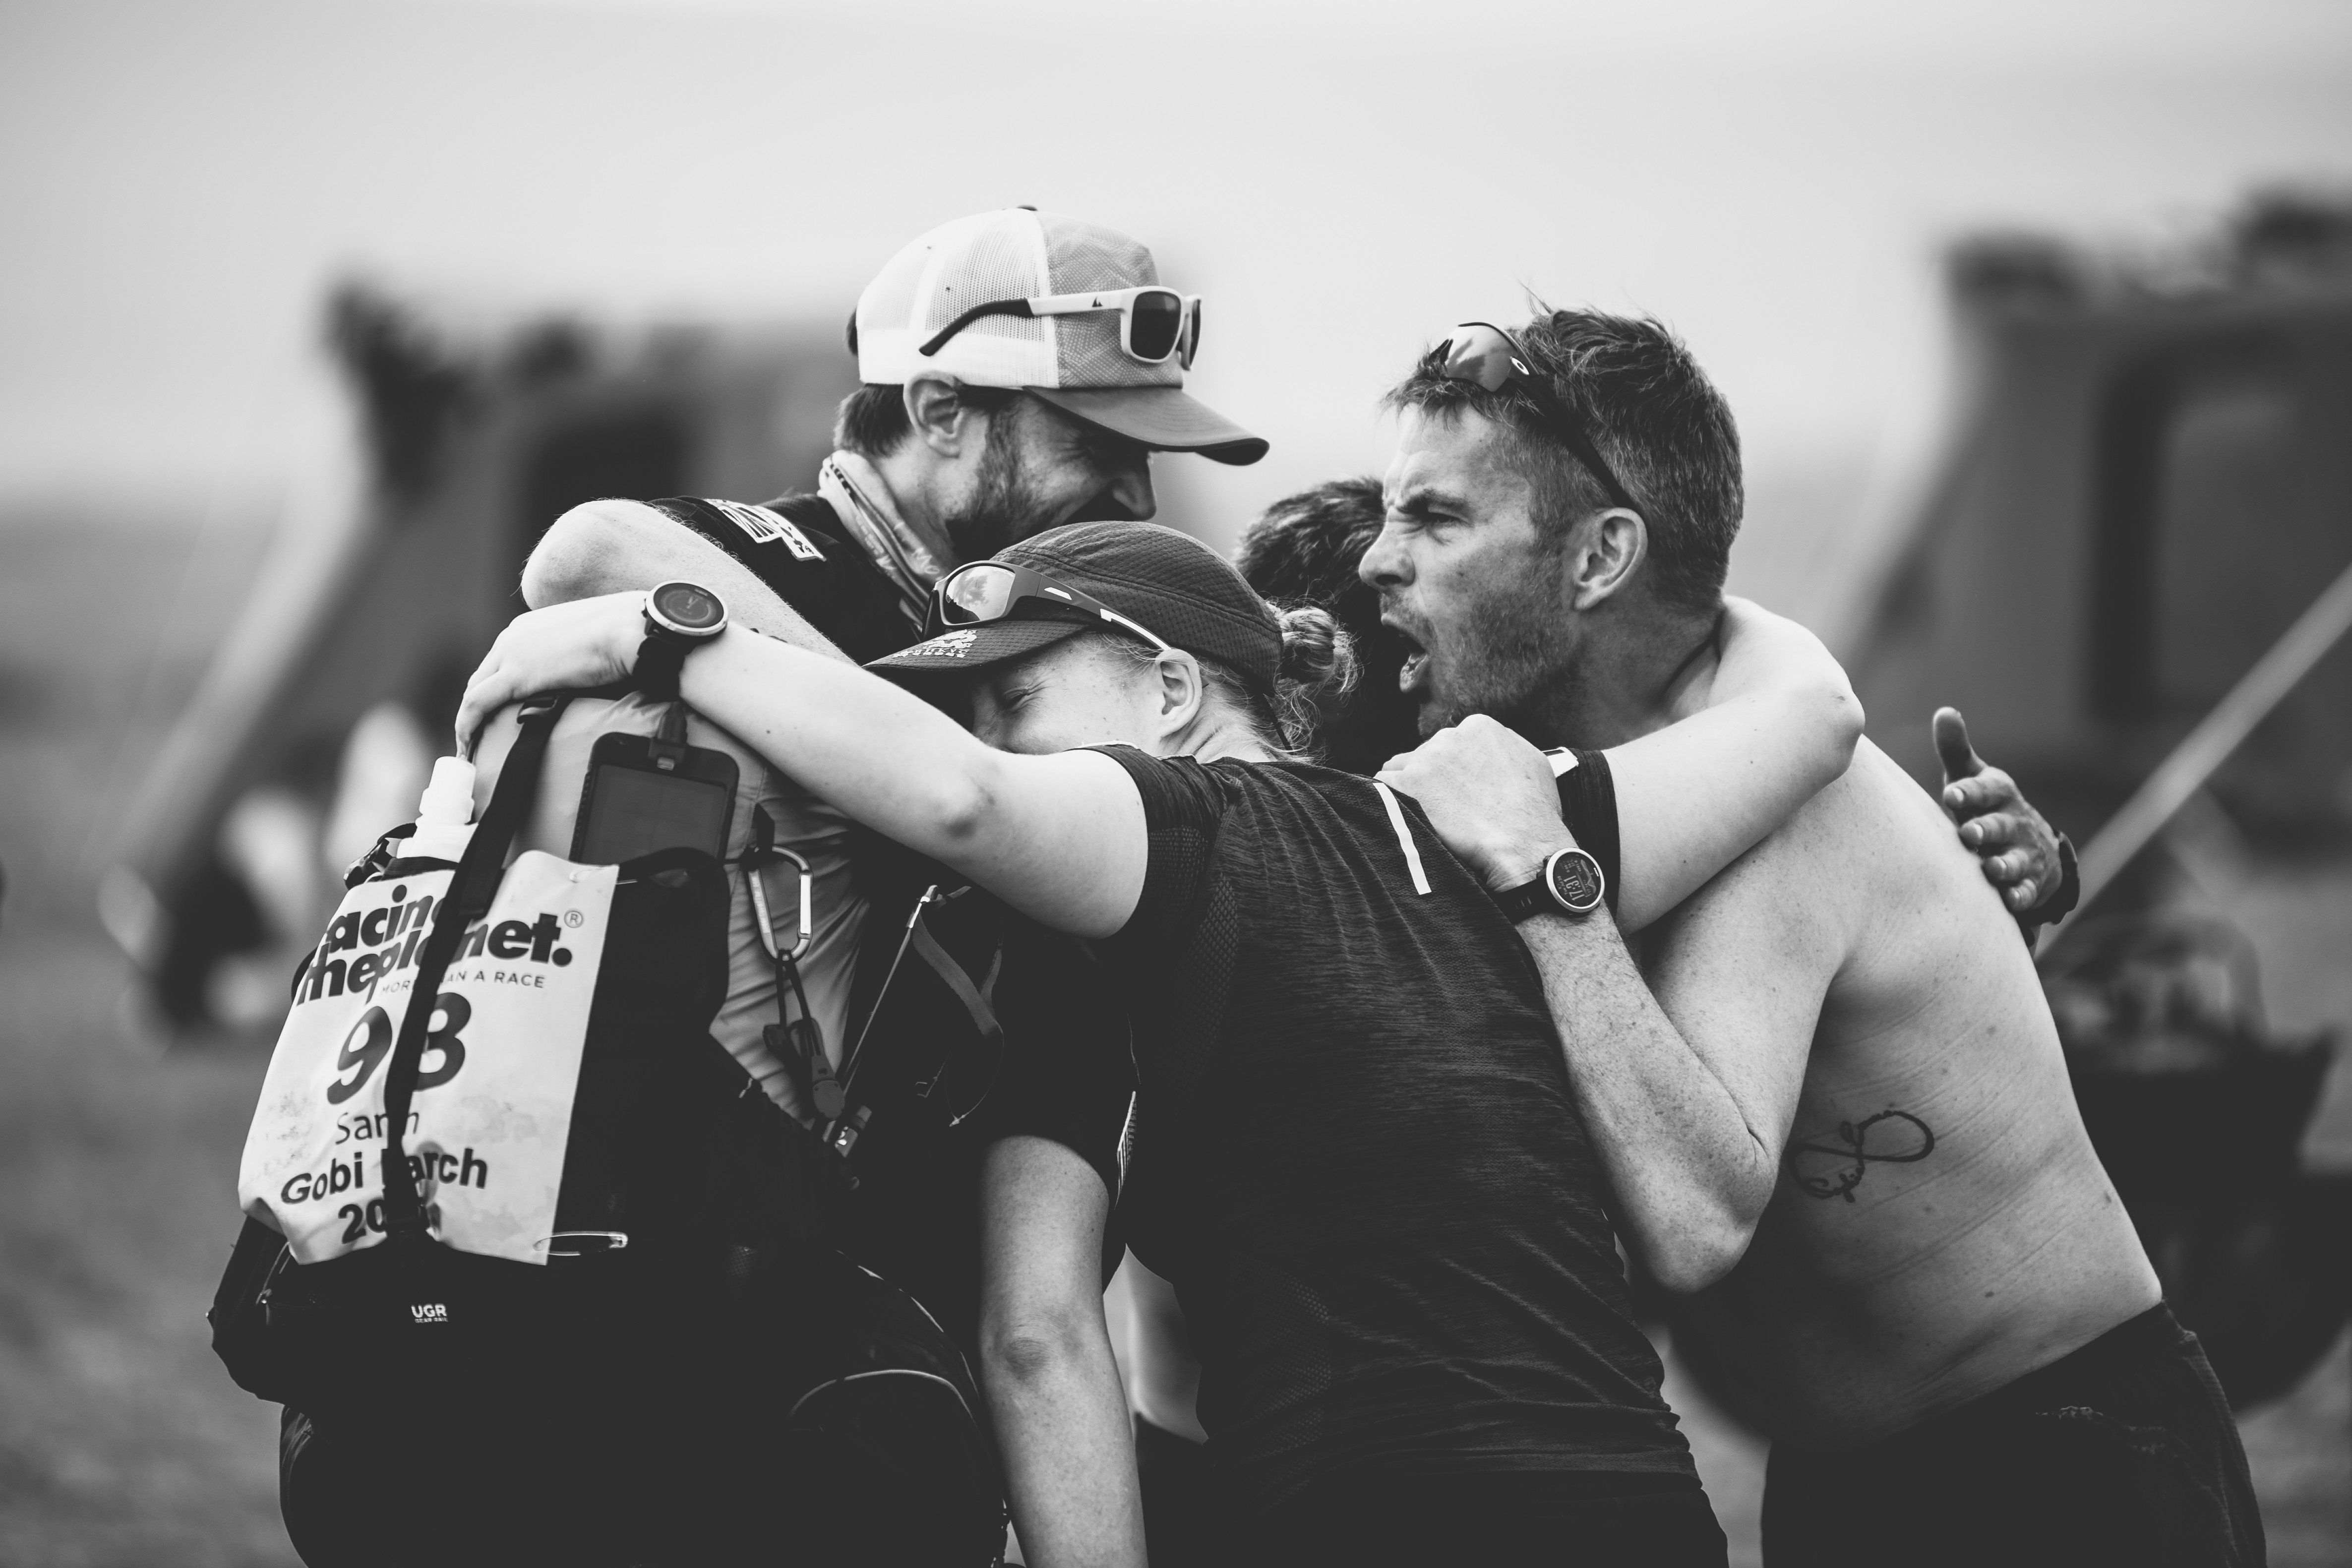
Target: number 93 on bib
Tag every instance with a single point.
(492, 1113)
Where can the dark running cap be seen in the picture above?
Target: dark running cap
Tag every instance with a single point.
(1187, 593)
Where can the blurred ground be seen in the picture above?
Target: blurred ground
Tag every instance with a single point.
(122, 1442)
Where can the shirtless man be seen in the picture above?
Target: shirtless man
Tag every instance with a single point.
(1843, 1119)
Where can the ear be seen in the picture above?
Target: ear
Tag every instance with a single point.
(939, 415)
(1604, 552)
(1181, 691)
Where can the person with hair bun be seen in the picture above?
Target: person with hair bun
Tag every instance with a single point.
(1355, 1149)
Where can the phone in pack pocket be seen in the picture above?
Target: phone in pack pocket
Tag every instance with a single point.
(644, 794)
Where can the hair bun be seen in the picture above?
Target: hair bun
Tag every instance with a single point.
(1317, 656)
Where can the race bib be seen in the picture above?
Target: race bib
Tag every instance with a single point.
(492, 1113)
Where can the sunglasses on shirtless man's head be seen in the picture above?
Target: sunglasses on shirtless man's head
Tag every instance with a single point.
(1485, 356)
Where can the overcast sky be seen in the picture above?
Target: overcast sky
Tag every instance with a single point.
(178, 180)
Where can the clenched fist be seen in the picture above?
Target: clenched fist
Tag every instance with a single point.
(1489, 794)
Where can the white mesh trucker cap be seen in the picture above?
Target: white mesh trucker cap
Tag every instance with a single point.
(1072, 361)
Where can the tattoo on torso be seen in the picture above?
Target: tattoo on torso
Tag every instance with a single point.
(1831, 1167)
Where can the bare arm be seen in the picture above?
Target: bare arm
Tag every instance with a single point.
(612, 546)
(1059, 838)
(1742, 971)
(1780, 722)
(1053, 1388)
(1690, 1132)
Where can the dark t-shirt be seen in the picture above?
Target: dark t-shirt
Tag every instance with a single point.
(1357, 1153)
(941, 1092)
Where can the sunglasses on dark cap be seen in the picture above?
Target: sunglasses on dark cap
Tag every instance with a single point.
(1485, 355)
(987, 590)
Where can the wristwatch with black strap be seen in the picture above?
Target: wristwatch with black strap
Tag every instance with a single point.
(679, 617)
(1570, 883)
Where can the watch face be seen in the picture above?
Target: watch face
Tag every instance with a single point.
(1576, 880)
(688, 607)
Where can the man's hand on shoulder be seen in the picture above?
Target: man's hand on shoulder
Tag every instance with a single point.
(1489, 794)
(2017, 845)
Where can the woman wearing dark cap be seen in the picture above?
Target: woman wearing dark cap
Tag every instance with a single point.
(1357, 1152)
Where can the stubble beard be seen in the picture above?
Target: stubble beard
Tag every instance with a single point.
(1513, 658)
(1002, 507)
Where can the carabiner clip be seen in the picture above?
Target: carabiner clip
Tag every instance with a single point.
(758, 866)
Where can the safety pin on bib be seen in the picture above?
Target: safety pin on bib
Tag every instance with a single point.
(604, 1240)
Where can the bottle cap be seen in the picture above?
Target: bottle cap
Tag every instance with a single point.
(449, 798)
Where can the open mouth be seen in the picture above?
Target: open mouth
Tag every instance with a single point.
(1415, 667)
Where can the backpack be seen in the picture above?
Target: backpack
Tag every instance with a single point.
(551, 1196)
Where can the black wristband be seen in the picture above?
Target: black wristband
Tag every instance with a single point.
(1588, 805)
(2060, 904)
(661, 661)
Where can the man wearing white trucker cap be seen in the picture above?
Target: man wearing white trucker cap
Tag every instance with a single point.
(1020, 368)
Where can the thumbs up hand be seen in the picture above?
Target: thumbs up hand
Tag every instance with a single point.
(2018, 847)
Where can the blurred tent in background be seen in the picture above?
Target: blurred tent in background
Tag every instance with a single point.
(317, 721)
(2150, 478)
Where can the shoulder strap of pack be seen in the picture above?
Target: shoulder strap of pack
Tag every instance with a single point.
(476, 883)
(975, 998)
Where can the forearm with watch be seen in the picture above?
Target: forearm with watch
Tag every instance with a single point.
(680, 618)
(1689, 1173)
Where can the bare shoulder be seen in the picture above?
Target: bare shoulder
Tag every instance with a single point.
(1780, 905)
(1874, 834)
(1803, 867)
(1909, 857)
(588, 549)
(1866, 861)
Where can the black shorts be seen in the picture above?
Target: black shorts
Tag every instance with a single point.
(1581, 1519)
(2122, 1452)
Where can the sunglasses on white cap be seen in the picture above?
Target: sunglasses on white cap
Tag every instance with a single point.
(1153, 322)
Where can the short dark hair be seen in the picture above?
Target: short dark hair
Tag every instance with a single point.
(872, 420)
(1655, 418)
(1305, 549)
(1307, 546)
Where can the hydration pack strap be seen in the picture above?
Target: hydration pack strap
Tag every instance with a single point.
(844, 1133)
(476, 883)
(973, 997)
